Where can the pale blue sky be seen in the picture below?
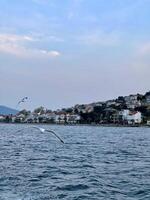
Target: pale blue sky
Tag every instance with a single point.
(64, 52)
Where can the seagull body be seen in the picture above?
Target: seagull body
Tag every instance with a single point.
(42, 130)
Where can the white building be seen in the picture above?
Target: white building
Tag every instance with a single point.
(124, 114)
(60, 118)
(132, 117)
(148, 122)
(2, 118)
(72, 118)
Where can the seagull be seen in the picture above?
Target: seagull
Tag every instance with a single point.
(42, 130)
(23, 100)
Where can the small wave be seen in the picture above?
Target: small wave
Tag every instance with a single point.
(88, 166)
(73, 187)
(34, 180)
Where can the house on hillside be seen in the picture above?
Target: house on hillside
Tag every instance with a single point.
(132, 101)
(131, 117)
(73, 118)
(110, 103)
(19, 118)
(32, 118)
(60, 118)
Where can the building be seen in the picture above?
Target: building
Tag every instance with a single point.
(132, 101)
(2, 118)
(148, 122)
(131, 117)
(110, 103)
(32, 118)
(73, 118)
(60, 118)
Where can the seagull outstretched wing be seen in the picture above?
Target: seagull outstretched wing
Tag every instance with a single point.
(50, 131)
(42, 130)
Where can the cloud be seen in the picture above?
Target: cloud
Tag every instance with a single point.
(21, 51)
(99, 38)
(17, 45)
(8, 38)
(50, 53)
(45, 37)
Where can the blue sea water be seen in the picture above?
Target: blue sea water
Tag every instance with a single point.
(94, 163)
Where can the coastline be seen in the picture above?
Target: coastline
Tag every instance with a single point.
(91, 125)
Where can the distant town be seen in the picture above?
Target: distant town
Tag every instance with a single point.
(125, 110)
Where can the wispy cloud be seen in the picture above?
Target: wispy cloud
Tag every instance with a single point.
(17, 45)
(50, 53)
(99, 38)
(45, 37)
(8, 38)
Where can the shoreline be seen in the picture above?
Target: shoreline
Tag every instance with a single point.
(91, 125)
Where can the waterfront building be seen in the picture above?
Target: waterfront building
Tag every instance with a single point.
(131, 117)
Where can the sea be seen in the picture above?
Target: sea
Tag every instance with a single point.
(108, 163)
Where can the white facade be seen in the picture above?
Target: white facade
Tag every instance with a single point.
(132, 117)
(135, 118)
(124, 114)
(72, 118)
(148, 122)
(2, 118)
(60, 118)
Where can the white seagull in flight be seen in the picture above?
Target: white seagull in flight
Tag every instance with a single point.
(42, 130)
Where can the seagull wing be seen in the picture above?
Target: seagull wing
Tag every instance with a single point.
(18, 103)
(50, 131)
(37, 128)
(40, 129)
(29, 128)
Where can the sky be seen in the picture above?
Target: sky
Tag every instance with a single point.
(65, 52)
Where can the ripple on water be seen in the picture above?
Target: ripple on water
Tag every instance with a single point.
(72, 187)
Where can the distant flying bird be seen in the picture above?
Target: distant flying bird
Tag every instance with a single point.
(42, 130)
(24, 99)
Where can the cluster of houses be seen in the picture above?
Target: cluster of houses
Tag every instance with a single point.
(131, 110)
(53, 117)
(58, 118)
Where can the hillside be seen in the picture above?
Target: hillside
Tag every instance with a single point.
(7, 111)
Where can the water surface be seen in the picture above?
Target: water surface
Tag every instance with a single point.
(95, 163)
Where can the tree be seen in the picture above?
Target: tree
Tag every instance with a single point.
(24, 112)
(8, 119)
(120, 99)
(39, 110)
